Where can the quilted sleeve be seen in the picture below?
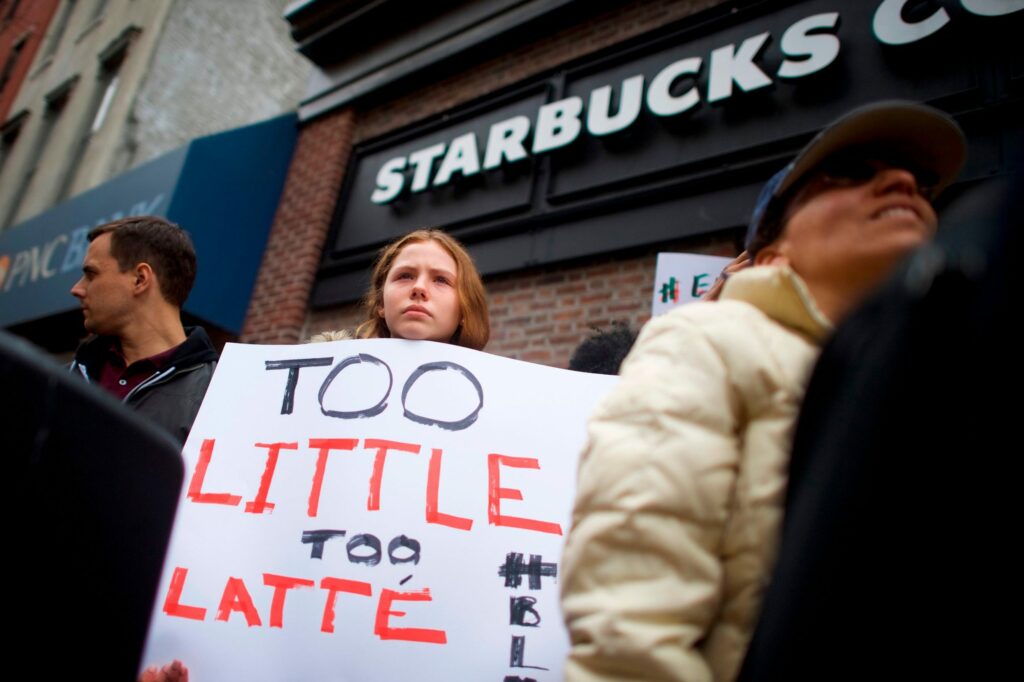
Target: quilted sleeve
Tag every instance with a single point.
(641, 571)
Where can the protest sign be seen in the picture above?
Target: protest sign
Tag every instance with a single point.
(683, 278)
(374, 510)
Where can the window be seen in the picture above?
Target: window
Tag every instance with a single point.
(60, 25)
(56, 100)
(107, 81)
(9, 133)
(8, 9)
(12, 60)
(98, 9)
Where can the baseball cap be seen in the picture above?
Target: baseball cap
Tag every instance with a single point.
(922, 136)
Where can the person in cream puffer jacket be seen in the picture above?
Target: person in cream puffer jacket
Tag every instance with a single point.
(667, 558)
(682, 482)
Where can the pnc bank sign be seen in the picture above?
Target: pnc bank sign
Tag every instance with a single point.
(58, 254)
(807, 46)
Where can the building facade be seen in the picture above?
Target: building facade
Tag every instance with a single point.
(114, 118)
(567, 143)
(120, 82)
(22, 29)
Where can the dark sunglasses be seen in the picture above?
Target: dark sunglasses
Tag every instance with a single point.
(848, 171)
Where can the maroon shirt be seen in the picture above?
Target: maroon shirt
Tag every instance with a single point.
(120, 379)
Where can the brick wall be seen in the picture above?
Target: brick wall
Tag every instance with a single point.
(27, 22)
(537, 315)
(541, 315)
(277, 310)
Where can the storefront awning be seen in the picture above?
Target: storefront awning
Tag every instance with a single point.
(222, 188)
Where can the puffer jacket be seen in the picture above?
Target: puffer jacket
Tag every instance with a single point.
(682, 484)
(172, 396)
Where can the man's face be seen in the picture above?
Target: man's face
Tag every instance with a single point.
(104, 292)
(856, 227)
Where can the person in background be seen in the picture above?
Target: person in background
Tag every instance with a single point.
(682, 483)
(136, 275)
(603, 351)
(424, 286)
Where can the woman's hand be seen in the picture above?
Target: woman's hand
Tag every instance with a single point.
(172, 672)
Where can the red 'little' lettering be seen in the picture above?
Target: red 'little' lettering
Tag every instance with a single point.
(333, 587)
(373, 502)
(325, 445)
(259, 504)
(173, 605)
(236, 598)
(281, 585)
(195, 486)
(382, 629)
(433, 483)
(495, 494)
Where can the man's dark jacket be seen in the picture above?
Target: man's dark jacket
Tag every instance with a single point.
(172, 396)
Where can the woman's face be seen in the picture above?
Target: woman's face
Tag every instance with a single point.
(421, 297)
(854, 228)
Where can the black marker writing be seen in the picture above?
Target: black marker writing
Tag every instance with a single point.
(518, 607)
(356, 414)
(317, 538)
(364, 540)
(458, 424)
(517, 654)
(293, 367)
(408, 543)
(514, 569)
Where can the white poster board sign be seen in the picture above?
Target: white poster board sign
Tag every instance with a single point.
(374, 510)
(683, 278)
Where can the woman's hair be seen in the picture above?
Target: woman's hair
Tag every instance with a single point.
(474, 326)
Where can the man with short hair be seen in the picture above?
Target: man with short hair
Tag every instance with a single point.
(137, 273)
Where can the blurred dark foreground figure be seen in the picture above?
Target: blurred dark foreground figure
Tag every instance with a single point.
(92, 500)
(896, 555)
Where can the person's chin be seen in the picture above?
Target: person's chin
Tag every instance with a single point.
(412, 332)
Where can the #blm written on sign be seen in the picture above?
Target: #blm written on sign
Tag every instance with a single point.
(374, 510)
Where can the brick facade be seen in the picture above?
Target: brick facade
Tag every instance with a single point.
(277, 309)
(22, 32)
(541, 315)
(538, 315)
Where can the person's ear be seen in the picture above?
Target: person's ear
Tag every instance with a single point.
(380, 311)
(144, 278)
(773, 254)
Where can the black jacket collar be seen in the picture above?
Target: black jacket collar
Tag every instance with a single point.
(195, 350)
